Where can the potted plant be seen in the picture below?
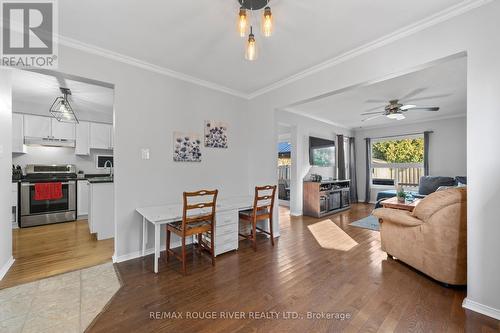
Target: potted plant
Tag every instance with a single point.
(400, 194)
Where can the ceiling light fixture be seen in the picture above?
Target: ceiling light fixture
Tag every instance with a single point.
(62, 110)
(396, 116)
(244, 21)
(251, 49)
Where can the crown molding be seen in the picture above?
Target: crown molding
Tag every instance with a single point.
(453, 11)
(435, 19)
(92, 49)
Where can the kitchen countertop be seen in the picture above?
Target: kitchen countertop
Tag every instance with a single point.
(98, 180)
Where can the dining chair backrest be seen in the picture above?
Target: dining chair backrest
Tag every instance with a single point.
(263, 203)
(202, 209)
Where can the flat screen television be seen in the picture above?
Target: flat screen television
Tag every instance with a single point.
(321, 152)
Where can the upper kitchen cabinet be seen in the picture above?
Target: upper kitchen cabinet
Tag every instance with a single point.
(47, 127)
(61, 130)
(82, 146)
(37, 126)
(18, 133)
(100, 136)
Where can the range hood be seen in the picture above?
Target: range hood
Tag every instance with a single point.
(49, 142)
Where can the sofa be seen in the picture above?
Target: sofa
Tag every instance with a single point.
(432, 238)
(427, 185)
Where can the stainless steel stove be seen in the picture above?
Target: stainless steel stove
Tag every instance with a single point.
(39, 212)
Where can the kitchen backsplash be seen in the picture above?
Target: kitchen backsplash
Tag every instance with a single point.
(59, 155)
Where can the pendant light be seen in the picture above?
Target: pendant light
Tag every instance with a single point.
(267, 22)
(242, 22)
(61, 110)
(251, 47)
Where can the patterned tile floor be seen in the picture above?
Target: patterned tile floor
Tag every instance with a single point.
(63, 303)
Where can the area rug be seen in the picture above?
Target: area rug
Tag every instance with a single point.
(330, 236)
(369, 222)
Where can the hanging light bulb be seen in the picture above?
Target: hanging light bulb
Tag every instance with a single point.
(251, 49)
(267, 22)
(242, 22)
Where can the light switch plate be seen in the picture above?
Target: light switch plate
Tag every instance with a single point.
(145, 153)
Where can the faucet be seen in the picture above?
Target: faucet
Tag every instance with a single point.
(109, 165)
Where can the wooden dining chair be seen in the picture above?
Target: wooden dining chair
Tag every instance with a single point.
(198, 217)
(263, 205)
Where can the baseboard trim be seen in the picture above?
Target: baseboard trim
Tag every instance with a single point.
(6, 267)
(481, 308)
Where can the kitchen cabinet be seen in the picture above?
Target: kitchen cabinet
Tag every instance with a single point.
(82, 195)
(100, 136)
(47, 127)
(18, 133)
(61, 130)
(82, 138)
(37, 126)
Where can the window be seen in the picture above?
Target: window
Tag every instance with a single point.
(397, 161)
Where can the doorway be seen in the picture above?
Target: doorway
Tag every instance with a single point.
(62, 174)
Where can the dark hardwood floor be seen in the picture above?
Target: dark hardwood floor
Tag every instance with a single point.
(296, 276)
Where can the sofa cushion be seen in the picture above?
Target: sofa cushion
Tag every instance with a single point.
(438, 200)
(430, 184)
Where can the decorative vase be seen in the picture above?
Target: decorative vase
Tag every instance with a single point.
(401, 199)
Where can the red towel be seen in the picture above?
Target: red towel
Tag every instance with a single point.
(48, 191)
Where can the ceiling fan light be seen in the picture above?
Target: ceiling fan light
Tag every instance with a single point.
(242, 22)
(396, 116)
(267, 22)
(251, 47)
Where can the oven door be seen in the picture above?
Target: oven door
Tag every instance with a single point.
(38, 212)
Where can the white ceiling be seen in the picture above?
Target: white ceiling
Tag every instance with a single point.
(446, 83)
(34, 93)
(199, 38)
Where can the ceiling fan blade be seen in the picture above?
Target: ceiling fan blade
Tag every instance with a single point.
(373, 117)
(426, 97)
(376, 108)
(376, 112)
(376, 101)
(412, 93)
(435, 108)
(407, 107)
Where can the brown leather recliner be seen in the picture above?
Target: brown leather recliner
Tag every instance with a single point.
(433, 238)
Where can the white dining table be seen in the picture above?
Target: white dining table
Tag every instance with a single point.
(161, 215)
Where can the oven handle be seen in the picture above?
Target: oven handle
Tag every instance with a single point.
(33, 184)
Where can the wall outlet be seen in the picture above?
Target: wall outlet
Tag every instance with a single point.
(145, 153)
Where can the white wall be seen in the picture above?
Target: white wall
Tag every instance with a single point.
(476, 33)
(5, 170)
(447, 147)
(301, 129)
(149, 107)
(60, 155)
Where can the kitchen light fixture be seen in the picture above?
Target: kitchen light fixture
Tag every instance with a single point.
(62, 110)
(244, 21)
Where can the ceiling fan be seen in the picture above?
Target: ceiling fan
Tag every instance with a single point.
(396, 110)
